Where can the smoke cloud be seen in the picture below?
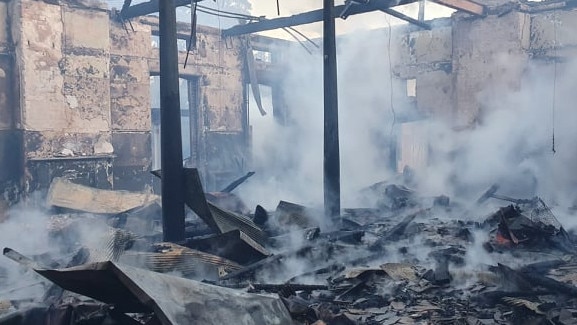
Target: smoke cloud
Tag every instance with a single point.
(511, 143)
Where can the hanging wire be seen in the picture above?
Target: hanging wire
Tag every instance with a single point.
(192, 39)
(298, 40)
(225, 14)
(553, 149)
(305, 37)
(393, 112)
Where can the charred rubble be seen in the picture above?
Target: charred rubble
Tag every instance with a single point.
(407, 260)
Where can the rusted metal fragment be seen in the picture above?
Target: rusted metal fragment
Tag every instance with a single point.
(174, 300)
(65, 194)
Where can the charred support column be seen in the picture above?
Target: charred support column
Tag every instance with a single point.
(332, 177)
(170, 133)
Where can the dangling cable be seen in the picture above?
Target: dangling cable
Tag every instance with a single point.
(393, 112)
(304, 36)
(278, 7)
(192, 39)
(297, 39)
(554, 82)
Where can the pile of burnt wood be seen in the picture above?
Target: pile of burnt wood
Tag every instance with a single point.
(407, 260)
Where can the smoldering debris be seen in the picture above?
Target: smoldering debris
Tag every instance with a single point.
(409, 259)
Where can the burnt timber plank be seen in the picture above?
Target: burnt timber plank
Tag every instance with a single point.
(65, 194)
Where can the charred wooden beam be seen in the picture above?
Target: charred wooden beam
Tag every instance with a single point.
(331, 165)
(276, 288)
(309, 17)
(237, 182)
(406, 18)
(149, 7)
(396, 232)
(551, 284)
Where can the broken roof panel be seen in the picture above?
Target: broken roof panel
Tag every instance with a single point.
(174, 300)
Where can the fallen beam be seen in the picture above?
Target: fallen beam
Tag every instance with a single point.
(237, 182)
(406, 18)
(276, 288)
(310, 17)
(65, 194)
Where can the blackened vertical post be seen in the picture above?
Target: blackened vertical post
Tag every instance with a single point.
(332, 177)
(170, 132)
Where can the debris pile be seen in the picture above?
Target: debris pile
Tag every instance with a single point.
(408, 260)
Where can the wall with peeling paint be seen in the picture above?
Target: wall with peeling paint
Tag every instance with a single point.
(75, 97)
(221, 124)
(464, 62)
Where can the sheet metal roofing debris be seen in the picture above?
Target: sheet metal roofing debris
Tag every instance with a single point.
(407, 260)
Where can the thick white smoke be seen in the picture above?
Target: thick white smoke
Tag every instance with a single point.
(511, 143)
(289, 159)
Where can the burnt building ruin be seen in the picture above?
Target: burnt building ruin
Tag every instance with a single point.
(83, 102)
(95, 116)
(450, 235)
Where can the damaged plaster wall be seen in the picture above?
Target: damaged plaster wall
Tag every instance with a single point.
(221, 134)
(466, 65)
(449, 85)
(488, 61)
(64, 78)
(82, 82)
(130, 51)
